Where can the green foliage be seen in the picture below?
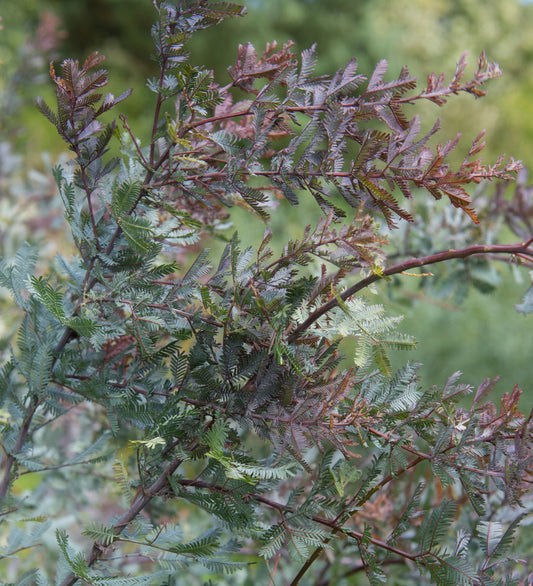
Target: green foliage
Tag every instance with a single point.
(243, 440)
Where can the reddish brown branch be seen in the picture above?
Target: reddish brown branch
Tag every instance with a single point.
(330, 523)
(523, 248)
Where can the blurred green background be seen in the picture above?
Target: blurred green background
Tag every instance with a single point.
(483, 336)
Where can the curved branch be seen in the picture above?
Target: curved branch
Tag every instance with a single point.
(524, 248)
(330, 523)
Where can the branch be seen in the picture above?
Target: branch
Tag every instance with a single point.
(523, 248)
(330, 523)
(10, 459)
(142, 499)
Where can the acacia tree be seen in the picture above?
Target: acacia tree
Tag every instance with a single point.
(218, 388)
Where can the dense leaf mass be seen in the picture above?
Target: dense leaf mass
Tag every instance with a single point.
(254, 392)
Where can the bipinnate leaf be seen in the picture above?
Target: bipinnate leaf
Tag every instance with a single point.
(125, 196)
(138, 232)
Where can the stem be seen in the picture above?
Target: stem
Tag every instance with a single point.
(10, 459)
(358, 102)
(337, 525)
(331, 523)
(476, 249)
(160, 99)
(88, 193)
(124, 120)
(140, 502)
